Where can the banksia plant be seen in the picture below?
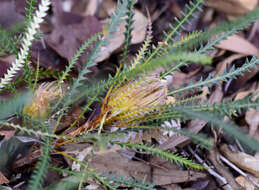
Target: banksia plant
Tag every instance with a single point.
(134, 98)
(33, 26)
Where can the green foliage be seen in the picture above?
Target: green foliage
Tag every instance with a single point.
(191, 8)
(129, 27)
(40, 171)
(225, 76)
(32, 131)
(14, 105)
(9, 39)
(30, 9)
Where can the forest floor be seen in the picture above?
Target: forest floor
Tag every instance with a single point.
(71, 22)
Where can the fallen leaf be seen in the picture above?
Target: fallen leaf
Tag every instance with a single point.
(70, 32)
(238, 44)
(138, 35)
(91, 7)
(242, 160)
(45, 56)
(112, 162)
(66, 39)
(3, 68)
(243, 182)
(115, 164)
(168, 173)
(232, 6)
(7, 133)
(8, 14)
(3, 179)
(172, 187)
(252, 118)
(243, 94)
(164, 177)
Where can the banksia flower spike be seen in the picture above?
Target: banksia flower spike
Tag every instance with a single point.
(26, 43)
(125, 106)
(43, 96)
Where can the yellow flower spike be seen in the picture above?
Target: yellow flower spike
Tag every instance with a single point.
(43, 96)
(126, 105)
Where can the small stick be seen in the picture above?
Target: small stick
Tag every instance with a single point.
(211, 171)
(238, 170)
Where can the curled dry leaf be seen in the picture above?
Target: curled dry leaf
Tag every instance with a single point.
(233, 6)
(242, 160)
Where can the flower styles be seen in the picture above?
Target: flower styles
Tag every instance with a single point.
(125, 106)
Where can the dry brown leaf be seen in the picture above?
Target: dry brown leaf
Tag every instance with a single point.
(3, 68)
(7, 133)
(9, 14)
(66, 39)
(252, 118)
(70, 32)
(243, 94)
(233, 6)
(242, 160)
(113, 162)
(165, 177)
(3, 179)
(238, 44)
(243, 182)
(30, 158)
(138, 35)
(91, 7)
(172, 187)
(180, 78)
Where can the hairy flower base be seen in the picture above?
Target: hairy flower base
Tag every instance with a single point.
(45, 93)
(125, 106)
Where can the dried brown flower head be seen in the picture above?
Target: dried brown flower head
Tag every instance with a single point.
(43, 96)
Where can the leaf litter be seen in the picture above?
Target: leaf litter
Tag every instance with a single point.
(73, 26)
